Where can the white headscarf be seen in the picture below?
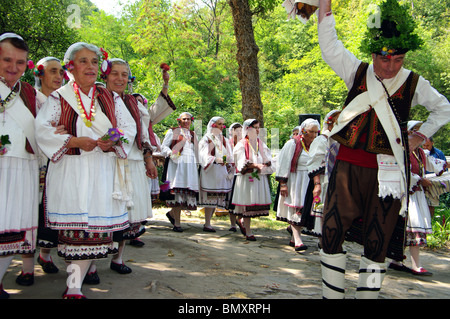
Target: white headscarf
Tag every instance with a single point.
(412, 124)
(308, 123)
(209, 128)
(245, 126)
(329, 114)
(216, 136)
(74, 48)
(43, 61)
(10, 35)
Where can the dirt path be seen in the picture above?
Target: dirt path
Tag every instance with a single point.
(223, 265)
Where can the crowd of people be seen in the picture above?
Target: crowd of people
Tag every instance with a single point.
(78, 169)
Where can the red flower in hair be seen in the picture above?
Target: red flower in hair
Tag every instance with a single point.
(40, 67)
(165, 66)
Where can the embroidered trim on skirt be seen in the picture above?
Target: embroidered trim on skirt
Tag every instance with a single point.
(212, 199)
(81, 245)
(134, 231)
(251, 211)
(416, 239)
(47, 237)
(184, 198)
(22, 242)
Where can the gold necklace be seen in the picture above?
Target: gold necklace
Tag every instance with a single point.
(304, 146)
(87, 119)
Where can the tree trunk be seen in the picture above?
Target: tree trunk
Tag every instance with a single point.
(247, 58)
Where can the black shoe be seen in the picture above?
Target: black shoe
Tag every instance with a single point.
(209, 230)
(91, 278)
(241, 227)
(136, 242)
(47, 266)
(120, 268)
(233, 229)
(398, 267)
(177, 229)
(171, 219)
(25, 279)
(3, 293)
(250, 238)
(302, 247)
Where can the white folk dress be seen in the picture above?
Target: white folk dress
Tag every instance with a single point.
(19, 180)
(80, 188)
(251, 196)
(290, 207)
(154, 182)
(141, 204)
(216, 180)
(182, 171)
(322, 154)
(419, 217)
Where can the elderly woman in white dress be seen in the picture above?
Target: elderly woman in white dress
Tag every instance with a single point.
(322, 153)
(180, 147)
(84, 172)
(117, 75)
(158, 111)
(48, 77)
(19, 164)
(292, 174)
(234, 136)
(216, 173)
(253, 159)
(418, 225)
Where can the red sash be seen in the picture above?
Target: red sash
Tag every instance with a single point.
(28, 96)
(298, 151)
(180, 138)
(132, 106)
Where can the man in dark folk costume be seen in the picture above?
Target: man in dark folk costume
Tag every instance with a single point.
(369, 183)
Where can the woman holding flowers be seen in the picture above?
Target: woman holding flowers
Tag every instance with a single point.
(180, 147)
(217, 169)
(251, 195)
(235, 135)
(83, 174)
(292, 174)
(19, 166)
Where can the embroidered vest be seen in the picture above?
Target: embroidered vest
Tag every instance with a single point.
(297, 152)
(69, 116)
(377, 141)
(132, 106)
(212, 146)
(178, 137)
(28, 96)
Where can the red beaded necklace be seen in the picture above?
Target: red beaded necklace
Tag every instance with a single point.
(87, 119)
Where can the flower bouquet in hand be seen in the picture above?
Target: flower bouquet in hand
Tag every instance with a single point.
(115, 135)
(318, 206)
(4, 140)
